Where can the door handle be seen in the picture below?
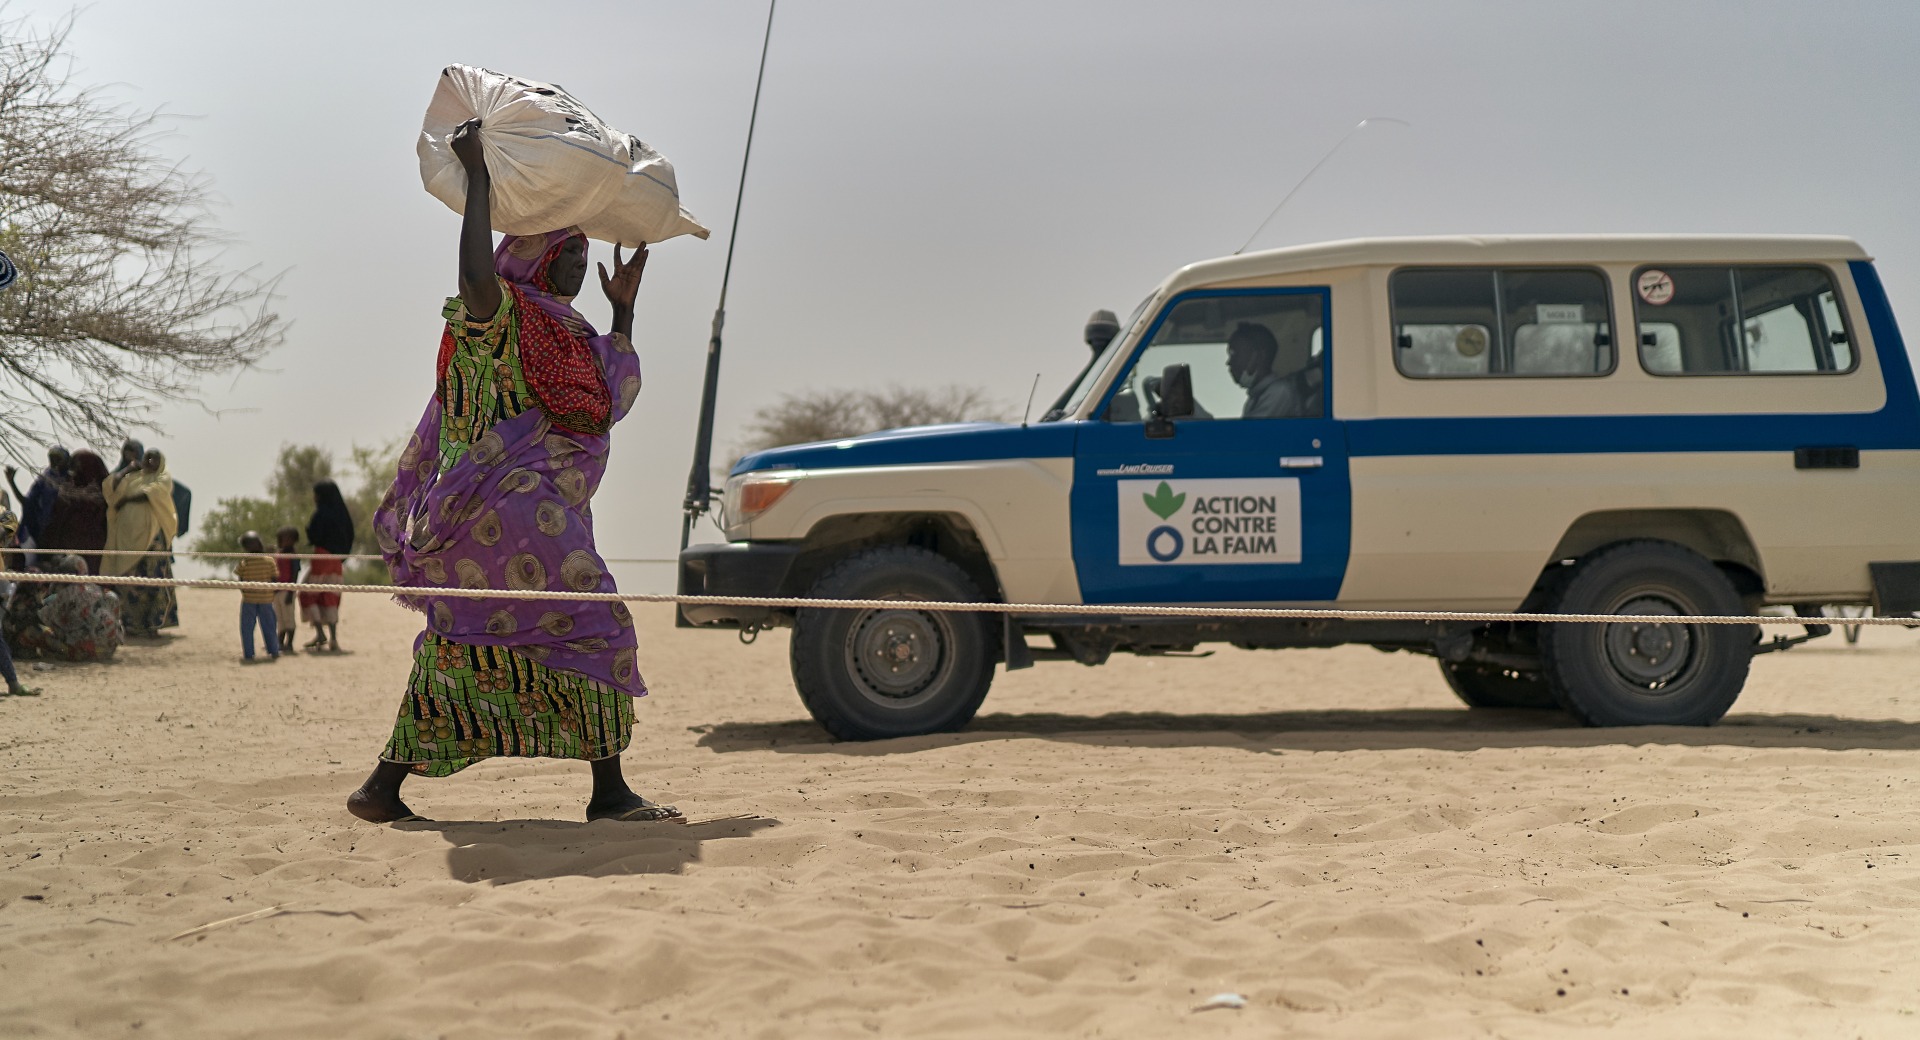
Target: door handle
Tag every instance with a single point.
(1301, 462)
(1841, 457)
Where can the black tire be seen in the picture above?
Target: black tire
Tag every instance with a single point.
(937, 667)
(1646, 675)
(1485, 686)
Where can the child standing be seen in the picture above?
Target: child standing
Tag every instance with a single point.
(256, 605)
(286, 608)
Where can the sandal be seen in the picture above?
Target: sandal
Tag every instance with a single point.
(645, 814)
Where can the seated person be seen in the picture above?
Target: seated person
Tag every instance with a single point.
(1281, 383)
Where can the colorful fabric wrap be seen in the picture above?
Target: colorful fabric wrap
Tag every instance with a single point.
(466, 703)
(507, 504)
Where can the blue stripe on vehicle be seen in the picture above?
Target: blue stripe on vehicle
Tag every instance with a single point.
(1896, 367)
(972, 442)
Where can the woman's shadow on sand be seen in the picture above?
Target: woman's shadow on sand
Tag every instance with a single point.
(1335, 730)
(507, 851)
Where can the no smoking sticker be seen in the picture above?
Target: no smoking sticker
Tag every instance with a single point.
(1656, 287)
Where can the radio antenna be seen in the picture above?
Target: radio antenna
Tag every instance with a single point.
(1024, 416)
(1301, 183)
(700, 479)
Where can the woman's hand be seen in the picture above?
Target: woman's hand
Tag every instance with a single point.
(624, 285)
(465, 144)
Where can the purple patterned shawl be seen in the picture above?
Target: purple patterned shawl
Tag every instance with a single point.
(515, 512)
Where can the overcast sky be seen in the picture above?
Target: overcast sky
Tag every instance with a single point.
(941, 192)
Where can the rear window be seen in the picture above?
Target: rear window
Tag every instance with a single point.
(1727, 320)
(1464, 322)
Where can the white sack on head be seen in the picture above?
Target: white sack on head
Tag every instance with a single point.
(553, 163)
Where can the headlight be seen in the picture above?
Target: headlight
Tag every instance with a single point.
(756, 495)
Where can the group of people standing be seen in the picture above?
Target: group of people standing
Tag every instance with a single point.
(122, 522)
(79, 518)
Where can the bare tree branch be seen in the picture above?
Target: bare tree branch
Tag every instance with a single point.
(121, 303)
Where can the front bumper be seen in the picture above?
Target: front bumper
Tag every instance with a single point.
(734, 569)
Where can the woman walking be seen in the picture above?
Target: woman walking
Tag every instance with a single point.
(141, 517)
(330, 531)
(494, 490)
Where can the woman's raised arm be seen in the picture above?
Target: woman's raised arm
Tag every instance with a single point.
(478, 288)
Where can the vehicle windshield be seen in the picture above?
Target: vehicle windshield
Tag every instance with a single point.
(1077, 394)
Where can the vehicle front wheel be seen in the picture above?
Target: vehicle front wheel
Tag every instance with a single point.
(1485, 686)
(1646, 673)
(869, 674)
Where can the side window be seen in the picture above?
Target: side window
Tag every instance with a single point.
(1728, 320)
(1483, 321)
(1249, 356)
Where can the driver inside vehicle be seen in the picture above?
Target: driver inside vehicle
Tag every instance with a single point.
(1282, 377)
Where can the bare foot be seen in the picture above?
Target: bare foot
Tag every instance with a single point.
(375, 809)
(633, 809)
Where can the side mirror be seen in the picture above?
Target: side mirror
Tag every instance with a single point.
(1175, 401)
(1101, 328)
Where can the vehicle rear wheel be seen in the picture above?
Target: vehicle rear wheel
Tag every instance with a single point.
(873, 674)
(1485, 686)
(1646, 674)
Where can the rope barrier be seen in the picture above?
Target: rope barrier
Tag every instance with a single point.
(211, 555)
(1022, 609)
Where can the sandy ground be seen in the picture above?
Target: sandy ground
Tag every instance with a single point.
(1325, 832)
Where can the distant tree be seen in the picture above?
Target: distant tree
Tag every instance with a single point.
(298, 469)
(825, 415)
(120, 303)
(289, 502)
(373, 470)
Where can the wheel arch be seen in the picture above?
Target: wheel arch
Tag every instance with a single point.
(951, 535)
(1716, 534)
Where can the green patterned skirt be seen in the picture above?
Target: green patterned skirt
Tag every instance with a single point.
(465, 703)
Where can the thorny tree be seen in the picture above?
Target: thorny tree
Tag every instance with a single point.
(120, 303)
(825, 415)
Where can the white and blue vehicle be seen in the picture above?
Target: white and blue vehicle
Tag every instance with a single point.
(1639, 425)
